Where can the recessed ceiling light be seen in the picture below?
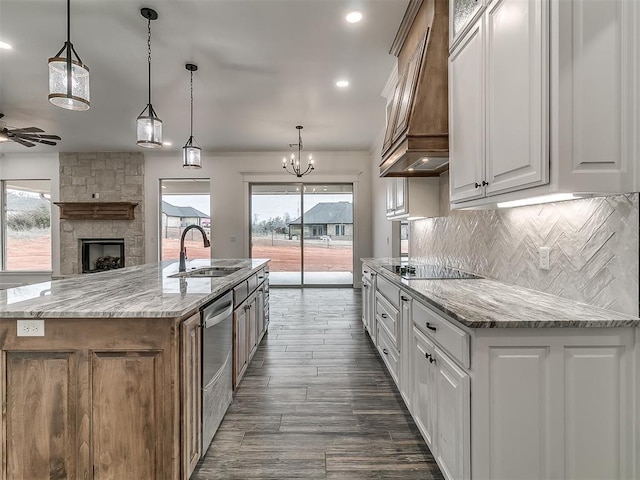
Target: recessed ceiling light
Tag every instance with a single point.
(167, 144)
(342, 83)
(354, 17)
(5, 46)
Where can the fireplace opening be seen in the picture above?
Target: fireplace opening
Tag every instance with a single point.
(100, 254)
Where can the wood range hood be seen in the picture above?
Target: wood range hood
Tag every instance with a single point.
(416, 141)
(97, 210)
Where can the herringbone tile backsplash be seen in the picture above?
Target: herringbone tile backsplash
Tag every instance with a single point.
(594, 247)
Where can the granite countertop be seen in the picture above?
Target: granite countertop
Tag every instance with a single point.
(144, 291)
(484, 303)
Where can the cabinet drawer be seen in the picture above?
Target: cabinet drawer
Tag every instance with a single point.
(389, 353)
(240, 293)
(447, 335)
(388, 316)
(366, 272)
(389, 290)
(252, 283)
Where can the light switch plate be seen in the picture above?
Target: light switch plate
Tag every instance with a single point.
(30, 328)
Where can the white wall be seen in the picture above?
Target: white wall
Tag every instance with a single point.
(34, 166)
(382, 228)
(230, 175)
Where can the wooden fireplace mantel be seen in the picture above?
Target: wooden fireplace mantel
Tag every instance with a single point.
(96, 210)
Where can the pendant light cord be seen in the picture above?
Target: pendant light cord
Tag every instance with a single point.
(149, 56)
(69, 22)
(191, 128)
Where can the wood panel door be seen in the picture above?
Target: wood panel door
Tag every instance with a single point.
(128, 402)
(40, 419)
(191, 369)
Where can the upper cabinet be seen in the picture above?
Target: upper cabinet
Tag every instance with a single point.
(416, 139)
(542, 99)
(413, 198)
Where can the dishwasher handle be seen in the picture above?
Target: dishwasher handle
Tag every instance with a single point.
(211, 320)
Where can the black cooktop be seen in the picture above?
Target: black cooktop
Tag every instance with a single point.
(423, 271)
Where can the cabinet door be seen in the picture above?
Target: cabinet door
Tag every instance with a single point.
(423, 387)
(191, 375)
(240, 352)
(39, 420)
(453, 418)
(391, 196)
(404, 345)
(401, 201)
(260, 312)
(517, 95)
(466, 117)
(365, 302)
(252, 325)
(127, 425)
(461, 13)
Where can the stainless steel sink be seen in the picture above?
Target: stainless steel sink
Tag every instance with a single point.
(206, 272)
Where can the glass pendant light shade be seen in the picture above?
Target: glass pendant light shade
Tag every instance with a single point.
(191, 156)
(58, 79)
(149, 129)
(68, 76)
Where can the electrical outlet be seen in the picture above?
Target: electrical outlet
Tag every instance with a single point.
(30, 328)
(543, 258)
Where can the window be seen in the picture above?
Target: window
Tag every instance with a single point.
(26, 233)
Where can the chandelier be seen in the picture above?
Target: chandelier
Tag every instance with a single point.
(294, 165)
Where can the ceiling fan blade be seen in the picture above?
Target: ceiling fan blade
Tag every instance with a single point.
(27, 130)
(23, 142)
(46, 142)
(30, 136)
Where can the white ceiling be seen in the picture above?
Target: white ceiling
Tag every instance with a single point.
(264, 67)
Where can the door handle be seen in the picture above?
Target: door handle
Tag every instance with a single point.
(430, 358)
(385, 351)
(430, 327)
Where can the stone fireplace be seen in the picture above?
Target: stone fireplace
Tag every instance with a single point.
(100, 254)
(102, 177)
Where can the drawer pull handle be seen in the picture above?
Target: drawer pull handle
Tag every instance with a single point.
(365, 285)
(366, 271)
(430, 327)
(430, 358)
(385, 351)
(404, 299)
(260, 278)
(383, 315)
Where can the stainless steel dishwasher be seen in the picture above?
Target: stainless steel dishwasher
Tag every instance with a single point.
(217, 347)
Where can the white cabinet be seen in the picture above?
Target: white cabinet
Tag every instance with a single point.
(414, 197)
(498, 80)
(553, 404)
(441, 406)
(404, 346)
(368, 299)
(543, 100)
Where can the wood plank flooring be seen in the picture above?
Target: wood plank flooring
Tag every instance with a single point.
(317, 402)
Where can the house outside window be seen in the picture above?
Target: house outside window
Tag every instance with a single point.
(26, 225)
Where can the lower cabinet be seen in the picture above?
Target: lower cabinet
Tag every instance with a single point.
(546, 402)
(441, 406)
(191, 375)
(250, 322)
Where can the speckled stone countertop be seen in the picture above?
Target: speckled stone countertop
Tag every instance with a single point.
(484, 303)
(144, 291)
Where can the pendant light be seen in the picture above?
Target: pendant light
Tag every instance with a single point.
(149, 126)
(68, 77)
(294, 165)
(191, 154)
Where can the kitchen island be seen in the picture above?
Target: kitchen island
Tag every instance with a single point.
(506, 382)
(103, 378)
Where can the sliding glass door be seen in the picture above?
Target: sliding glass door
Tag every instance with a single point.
(306, 230)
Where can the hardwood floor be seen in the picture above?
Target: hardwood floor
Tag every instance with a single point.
(317, 402)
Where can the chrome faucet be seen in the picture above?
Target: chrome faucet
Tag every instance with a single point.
(183, 254)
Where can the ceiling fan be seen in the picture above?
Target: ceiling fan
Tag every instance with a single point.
(27, 136)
